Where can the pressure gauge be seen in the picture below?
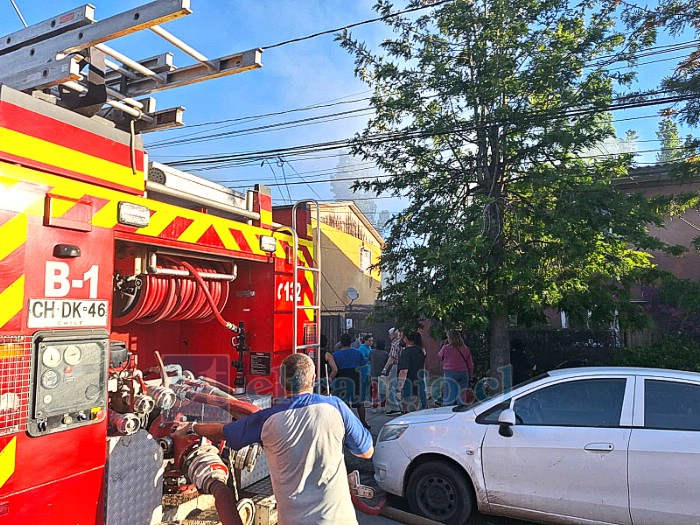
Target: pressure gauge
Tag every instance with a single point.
(72, 355)
(92, 392)
(50, 379)
(51, 357)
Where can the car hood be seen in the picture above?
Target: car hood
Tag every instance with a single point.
(430, 415)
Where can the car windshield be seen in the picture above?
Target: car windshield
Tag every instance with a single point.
(498, 395)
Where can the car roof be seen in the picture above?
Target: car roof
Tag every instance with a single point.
(660, 372)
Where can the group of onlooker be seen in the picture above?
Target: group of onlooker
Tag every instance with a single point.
(360, 370)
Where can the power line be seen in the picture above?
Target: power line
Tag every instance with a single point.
(356, 24)
(268, 127)
(19, 13)
(361, 166)
(252, 118)
(354, 113)
(335, 179)
(302, 178)
(244, 183)
(625, 102)
(332, 289)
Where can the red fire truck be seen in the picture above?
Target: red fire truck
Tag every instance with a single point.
(132, 294)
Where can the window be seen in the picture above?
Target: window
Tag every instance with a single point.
(491, 415)
(671, 405)
(365, 260)
(581, 403)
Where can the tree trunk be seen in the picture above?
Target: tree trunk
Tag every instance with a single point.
(500, 351)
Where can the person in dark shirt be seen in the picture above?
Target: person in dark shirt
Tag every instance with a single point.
(345, 366)
(411, 373)
(379, 357)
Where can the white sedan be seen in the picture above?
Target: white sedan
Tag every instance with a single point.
(585, 446)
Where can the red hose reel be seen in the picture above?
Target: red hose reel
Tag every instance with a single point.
(171, 292)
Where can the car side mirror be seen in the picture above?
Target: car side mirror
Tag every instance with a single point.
(506, 419)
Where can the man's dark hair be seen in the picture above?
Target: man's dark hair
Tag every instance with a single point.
(380, 345)
(297, 373)
(412, 336)
(324, 341)
(345, 340)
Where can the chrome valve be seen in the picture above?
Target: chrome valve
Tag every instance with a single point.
(163, 396)
(124, 424)
(144, 404)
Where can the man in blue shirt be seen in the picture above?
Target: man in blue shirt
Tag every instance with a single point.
(346, 367)
(303, 438)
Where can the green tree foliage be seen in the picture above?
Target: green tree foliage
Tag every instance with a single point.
(683, 295)
(670, 150)
(483, 109)
(673, 148)
(679, 18)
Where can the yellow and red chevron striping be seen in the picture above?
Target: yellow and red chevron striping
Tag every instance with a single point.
(13, 232)
(240, 239)
(44, 143)
(177, 227)
(22, 196)
(63, 134)
(24, 190)
(8, 455)
(305, 278)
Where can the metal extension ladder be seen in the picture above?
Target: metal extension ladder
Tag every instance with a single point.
(68, 55)
(313, 270)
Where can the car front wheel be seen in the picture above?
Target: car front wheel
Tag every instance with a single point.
(438, 491)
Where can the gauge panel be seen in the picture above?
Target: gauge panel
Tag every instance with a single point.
(70, 385)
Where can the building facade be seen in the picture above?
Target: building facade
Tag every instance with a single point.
(350, 247)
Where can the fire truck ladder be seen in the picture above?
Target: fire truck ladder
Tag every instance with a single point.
(67, 56)
(315, 271)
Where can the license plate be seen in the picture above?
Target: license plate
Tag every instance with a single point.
(57, 313)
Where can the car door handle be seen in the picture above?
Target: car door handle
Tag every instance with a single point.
(600, 447)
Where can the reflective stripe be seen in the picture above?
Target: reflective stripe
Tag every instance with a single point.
(13, 234)
(7, 461)
(23, 190)
(194, 232)
(11, 299)
(68, 159)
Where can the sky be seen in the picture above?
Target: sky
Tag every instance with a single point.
(298, 75)
(294, 76)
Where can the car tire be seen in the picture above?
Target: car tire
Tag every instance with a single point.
(440, 492)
